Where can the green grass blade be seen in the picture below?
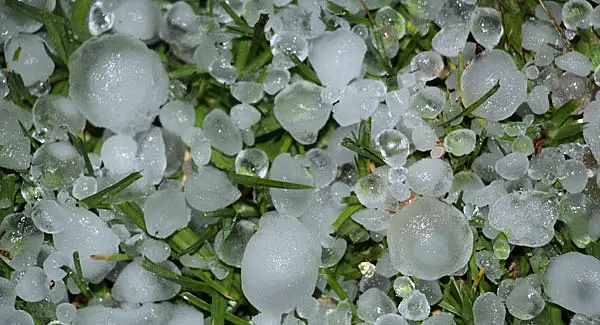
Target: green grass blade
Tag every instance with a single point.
(134, 212)
(305, 71)
(184, 281)
(111, 257)
(77, 276)
(349, 211)
(203, 305)
(237, 19)
(93, 201)
(469, 109)
(212, 230)
(80, 146)
(19, 94)
(79, 15)
(253, 181)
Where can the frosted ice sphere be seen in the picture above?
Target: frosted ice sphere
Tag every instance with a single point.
(139, 18)
(26, 55)
(460, 142)
(322, 165)
(166, 212)
(553, 7)
(397, 101)
(512, 166)
(482, 74)
(403, 286)
(247, 92)
(575, 63)
(151, 157)
(56, 165)
(252, 162)
(424, 138)
(7, 293)
(301, 111)
(21, 239)
(179, 24)
(574, 177)
(9, 315)
(570, 87)
(136, 285)
(289, 44)
(450, 40)
(486, 27)
(372, 219)
(489, 261)
(65, 312)
(230, 247)
(488, 309)
(276, 80)
(209, 189)
(429, 102)
(54, 116)
(504, 288)
(577, 14)
(538, 101)
(373, 304)
(101, 17)
(290, 169)
(33, 286)
(371, 191)
(393, 146)
(391, 319)
(222, 70)
(429, 239)
(90, 236)
(177, 116)
(282, 254)
(388, 16)
(532, 72)
(547, 165)
(430, 177)
(49, 217)
(431, 290)
(414, 307)
(84, 186)
(244, 115)
(427, 65)
(222, 133)
(571, 281)
(206, 52)
(12, 22)
(117, 83)
(118, 154)
(524, 301)
(337, 57)
(52, 265)
(200, 148)
(527, 218)
(156, 251)
(358, 101)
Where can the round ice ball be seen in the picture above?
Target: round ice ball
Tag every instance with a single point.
(430, 177)
(118, 83)
(429, 239)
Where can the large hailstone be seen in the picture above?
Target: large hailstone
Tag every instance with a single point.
(301, 111)
(527, 218)
(429, 239)
(136, 285)
(572, 280)
(482, 74)
(280, 264)
(118, 83)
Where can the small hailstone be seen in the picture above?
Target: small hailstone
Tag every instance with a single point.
(52, 265)
(597, 75)
(547, 165)
(424, 138)
(367, 269)
(489, 261)
(118, 153)
(54, 116)
(65, 312)
(33, 286)
(387, 16)
(393, 146)
(373, 304)
(460, 142)
(570, 87)
(372, 219)
(22, 239)
(118, 83)
(397, 101)
(223, 71)
(137, 18)
(574, 177)
(200, 149)
(532, 72)
(512, 166)
(177, 116)
(429, 239)
(391, 319)
(322, 165)
(210, 189)
(151, 156)
(56, 165)
(431, 290)
(428, 102)
(49, 217)
(430, 177)
(488, 309)
(276, 80)
(26, 55)
(247, 92)
(100, 19)
(230, 248)
(222, 133)
(427, 65)
(575, 63)
(486, 27)
(538, 100)
(371, 191)
(84, 186)
(414, 307)
(450, 40)
(290, 169)
(155, 250)
(504, 288)
(244, 115)
(577, 14)
(524, 301)
(403, 286)
(136, 285)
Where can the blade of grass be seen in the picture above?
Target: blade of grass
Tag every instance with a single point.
(77, 142)
(184, 70)
(134, 212)
(237, 19)
(77, 276)
(469, 109)
(304, 70)
(184, 281)
(33, 141)
(201, 304)
(218, 305)
(362, 151)
(253, 181)
(349, 211)
(111, 257)
(93, 201)
(218, 287)
(79, 20)
(18, 92)
(211, 231)
(257, 63)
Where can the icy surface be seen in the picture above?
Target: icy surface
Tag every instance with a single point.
(428, 102)
(165, 212)
(524, 301)
(117, 83)
(486, 27)
(460, 142)
(415, 306)
(33, 285)
(151, 157)
(512, 166)
(26, 55)
(252, 162)
(49, 217)
(139, 18)
(209, 189)
(136, 285)
(21, 239)
(322, 165)
(488, 309)
(290, 169)
(200, 148)
(429, 239)
(430, 177)
(177, 116)
(244, 115)
(230, 248)
(56, 165)
(575, 63)
(118, 154)
(373, 304)
(222, 132)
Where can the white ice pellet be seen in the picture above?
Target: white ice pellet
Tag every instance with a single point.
(512, 166)
(222, 132)
(200, 148)
(177, 116)
(486, 27)
(118, 154)
(26, 55)
(430, 177)
(373, 304)
(524, 301)
(252, 162)
(139, 18)
(415, 306)
(244, 115)
(165, 212)
(136, 285)
(49, 217)
(286, 168)
(54, 116)
(575, 63)
(488, 309)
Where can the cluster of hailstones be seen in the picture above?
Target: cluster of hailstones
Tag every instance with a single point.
(117, 83)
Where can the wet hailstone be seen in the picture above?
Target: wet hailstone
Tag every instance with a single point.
(177, 116)
(151, 156)
(504, 288)
(117, 83)
(118, 154)
(371, 191)
(538, 101)
(84, 186)
(49, 217)
(322, 165)
(247, 92)
(276, 80)
(577, 14)
(33, 285)
(65, 312)
(337, 57)
(488, 309)
(290, 169)
(3, 84)
(165, 211)
(289, 44)
(524, 301)
(26, 55)
(429, 239)
(532, 72)
(388, 16)
(200, 148)
(156, 251)
(428, 102)
(391, 319)
(244, 115)
(52, 265)
(489, 261)
(578, 212)
(301, 111)
(547, 165)
(54, 116)
(139, 18)
(482, 74)
(100, 19)
(22, 239)
(359, 100)
(430, 177)
(222, 132)
(526, 217)
(56, 165)
(223, 71)
(512, 166)
(574, 177)
(373, 304)
(12, 22)
(209, 189)
(252, 162)
(427, 65)
(206, 52)
(440, 319)
(486, 27)
(460, 142)
(179, 25)
(230, 247)
(571, 281)
(403, 286)
(281, 254)
(431, 290)
(570, 87)
(136, 285)
(424, 138)
(393, 146)
(414, 307)
(372, 219)
(575, 63)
